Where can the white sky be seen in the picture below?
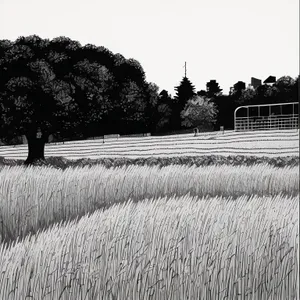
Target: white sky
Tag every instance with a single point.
(224, 40)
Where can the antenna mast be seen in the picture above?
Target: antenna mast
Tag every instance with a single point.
(184, 69)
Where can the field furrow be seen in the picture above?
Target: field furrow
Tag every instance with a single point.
(267, 143)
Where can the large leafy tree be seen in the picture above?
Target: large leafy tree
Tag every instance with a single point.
(199, 112)
(59, 87)
(46, 87)
(31, 95)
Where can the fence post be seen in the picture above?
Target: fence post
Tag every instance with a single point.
(248, 118)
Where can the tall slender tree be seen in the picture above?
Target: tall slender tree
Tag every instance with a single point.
(184, 92)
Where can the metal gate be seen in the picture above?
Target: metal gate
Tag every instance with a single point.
(267, 116)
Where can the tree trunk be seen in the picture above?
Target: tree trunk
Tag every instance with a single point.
(36, 148)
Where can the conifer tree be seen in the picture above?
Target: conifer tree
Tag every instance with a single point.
(184, 92)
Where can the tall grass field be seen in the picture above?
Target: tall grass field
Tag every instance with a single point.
(191, 228)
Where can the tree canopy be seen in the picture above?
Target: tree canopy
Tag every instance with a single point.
(282, 91)
(213, 89)
(57, 85)
(199, 112)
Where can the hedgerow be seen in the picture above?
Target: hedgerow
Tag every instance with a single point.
(235, 160)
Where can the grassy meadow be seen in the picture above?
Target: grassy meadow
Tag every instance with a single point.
(202, 226)
(272, 144)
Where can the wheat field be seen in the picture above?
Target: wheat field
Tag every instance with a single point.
(169, 248)
(33, 198)
(158, 232)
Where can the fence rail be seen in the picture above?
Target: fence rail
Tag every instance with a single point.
(265, 123)
(278, 116)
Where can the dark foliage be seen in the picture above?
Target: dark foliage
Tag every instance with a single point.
(184, 92)
(212, 89)
(235, 160)
(60, 87)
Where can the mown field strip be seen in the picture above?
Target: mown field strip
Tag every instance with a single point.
(214, 136)
(203, 137)
(35, 197)
(168, 248)
(159, 152)
(98, 144)
(281, 143)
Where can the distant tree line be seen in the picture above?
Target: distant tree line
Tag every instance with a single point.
(221, 107)
(62, 88)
